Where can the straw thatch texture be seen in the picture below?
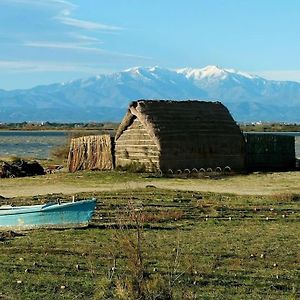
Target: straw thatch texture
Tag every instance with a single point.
(267, 152)
(136, 145)
(179, 135)
(91, 153)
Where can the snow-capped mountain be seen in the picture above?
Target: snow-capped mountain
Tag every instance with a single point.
(106, 97)
(237, 87)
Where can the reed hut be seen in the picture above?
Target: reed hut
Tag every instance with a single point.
(93, 152)
(173, 135)
(270, 152)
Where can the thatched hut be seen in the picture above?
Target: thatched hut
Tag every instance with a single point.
(270, 152)
(179, 135)
(93, 152)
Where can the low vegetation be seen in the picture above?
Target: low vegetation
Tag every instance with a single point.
(270, 127)
(160, 244)
(59, 126)
(133, 167)
(112, 127)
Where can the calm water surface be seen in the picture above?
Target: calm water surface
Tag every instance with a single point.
(35, 144)
(39, 144)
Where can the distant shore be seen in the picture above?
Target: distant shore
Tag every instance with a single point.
(270, 127)
(110, 126)
(51, 126)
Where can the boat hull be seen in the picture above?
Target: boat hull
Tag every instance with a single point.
(65, 215)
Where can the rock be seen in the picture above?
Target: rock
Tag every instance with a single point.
(21, 168)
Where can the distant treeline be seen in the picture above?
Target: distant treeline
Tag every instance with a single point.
(270, 127)
(59, 126)
(109, 126)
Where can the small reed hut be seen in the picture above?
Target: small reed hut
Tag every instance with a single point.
(164, 135)
(93, 152)
(270, 152)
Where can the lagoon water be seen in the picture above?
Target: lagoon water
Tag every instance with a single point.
(39, 144)
(34, 144)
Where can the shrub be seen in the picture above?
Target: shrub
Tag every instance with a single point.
(135, 281)
(134, 167)
(287, 197)
(60, 152)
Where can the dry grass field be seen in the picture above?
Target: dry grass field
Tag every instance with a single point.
(160, 244)
(235, 237)
(89, 181)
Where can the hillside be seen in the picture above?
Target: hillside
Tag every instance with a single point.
(106, 97)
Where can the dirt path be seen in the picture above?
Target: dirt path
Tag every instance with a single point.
(255, 184)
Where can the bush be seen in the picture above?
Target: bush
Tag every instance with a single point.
(287, 197)
(60, 152)
(134, 167)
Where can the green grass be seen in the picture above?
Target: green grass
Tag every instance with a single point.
(194, 246)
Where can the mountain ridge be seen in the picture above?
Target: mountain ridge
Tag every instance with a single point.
(105, 97)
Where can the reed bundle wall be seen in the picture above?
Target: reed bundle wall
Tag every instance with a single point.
(265, 152)
(91, 153)
(136, 146)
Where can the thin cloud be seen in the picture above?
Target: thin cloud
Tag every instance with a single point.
(72, 46)
(60, 13)
(45, 36)
(61, 3)
(58, 45)
(85, 38)
(44, 66)
(88, 25)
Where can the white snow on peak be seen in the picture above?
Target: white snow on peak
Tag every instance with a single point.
(141, 70)
(206, 75)
(139, 73)
(134, 70)
(154, 69)
(206, 72)
(244, 74)
(149, 73)
(212, 72)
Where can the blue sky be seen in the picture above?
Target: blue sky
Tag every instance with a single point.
(47, 41)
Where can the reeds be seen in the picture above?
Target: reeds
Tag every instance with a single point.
(91, 153)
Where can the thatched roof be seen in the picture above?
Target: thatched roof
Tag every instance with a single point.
(180, 120)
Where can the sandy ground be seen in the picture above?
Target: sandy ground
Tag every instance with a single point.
(255, 184)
